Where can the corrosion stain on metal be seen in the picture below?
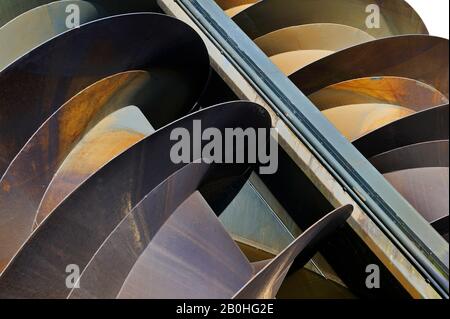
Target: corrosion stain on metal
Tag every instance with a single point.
(399, 91)
(270, 15)
(405, 56)
(56, 122)
(110, 137)
(209, 264)
(433, 122)
(85, 219)
(89, 171)
(356, 120)
(425, 154)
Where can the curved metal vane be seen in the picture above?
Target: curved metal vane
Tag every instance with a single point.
(53, 147)
(29, 193)
(317, 36)
(23, 186)
(384, 88)
(112, 164)
(169, 248)
(186, 254)
(408, 93)
(356, 120)
(292, 61)
(357, 107)
(42, 23)
(420, 155)
(420, 173)
(110, 137)
(270, 15)
(91, 128)
(425, 188)
(274, 271)
(84, 220)
(296, 47)
(403, 56)
(403, 69)
(229, 4)
(433, 124)
(10, 9)
(57, 70)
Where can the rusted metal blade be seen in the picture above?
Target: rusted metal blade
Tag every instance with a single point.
(84, 220)
(404, 92)
(290, 62)
(109, 138)
(412, 153)
(357, 107)
(270, 15)
(420, 173)
(57, 70)
(405, 56)
(23, 185)
(317, 36)
(425, 126)
(275, 271)
(145, 248)
(356, 120)
(426, 154)
(158, 224)
(191, 257)
(425, 188)
(9, 9)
